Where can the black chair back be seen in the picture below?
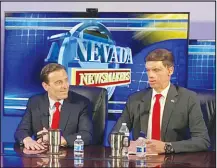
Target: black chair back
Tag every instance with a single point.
(99, 100)
(208, 106)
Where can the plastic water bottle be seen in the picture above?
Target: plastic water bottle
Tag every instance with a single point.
(141, 148)
(78, 146)
(78, 152)
(126, 132)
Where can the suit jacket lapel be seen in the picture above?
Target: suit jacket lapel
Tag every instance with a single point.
(44, 108)
(67, 108)
(64, 114)
(168, 109)
(144, 108)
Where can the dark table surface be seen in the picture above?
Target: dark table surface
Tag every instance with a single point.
(98, 156)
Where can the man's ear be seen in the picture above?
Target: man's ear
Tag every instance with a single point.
(45, 86)
(171, 70)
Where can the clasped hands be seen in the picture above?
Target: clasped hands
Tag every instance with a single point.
(41, 143)
(152, 146)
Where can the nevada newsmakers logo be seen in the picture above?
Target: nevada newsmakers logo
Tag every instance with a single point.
(91, 57)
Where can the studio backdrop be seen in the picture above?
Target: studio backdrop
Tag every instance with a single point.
(105, 50)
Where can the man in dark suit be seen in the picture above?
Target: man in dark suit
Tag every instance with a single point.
(58, 108)
(165, 113)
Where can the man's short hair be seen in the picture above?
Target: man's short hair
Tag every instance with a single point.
(49, 68)
(161, 55)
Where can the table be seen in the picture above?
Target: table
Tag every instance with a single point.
(13, 155)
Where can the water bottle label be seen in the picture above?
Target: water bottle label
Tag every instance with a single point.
(78, 147)
(139, 149)
(144, 149)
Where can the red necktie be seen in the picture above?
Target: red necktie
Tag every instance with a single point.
(56, 117)
(156, 118)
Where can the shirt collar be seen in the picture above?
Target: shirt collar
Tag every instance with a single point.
(163, 92)
(52, 102)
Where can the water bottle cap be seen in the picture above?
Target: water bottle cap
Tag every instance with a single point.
(124, 123)
(78, 136)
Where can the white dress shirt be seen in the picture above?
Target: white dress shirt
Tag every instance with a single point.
(52, 109)
(162, 104)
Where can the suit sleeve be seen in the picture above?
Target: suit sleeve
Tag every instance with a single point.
(24, 128)
(199, 140)
(85, 127)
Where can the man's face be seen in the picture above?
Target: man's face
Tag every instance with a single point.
(58, 85)
(158, 75)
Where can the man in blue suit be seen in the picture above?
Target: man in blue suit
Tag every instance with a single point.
(57, 108)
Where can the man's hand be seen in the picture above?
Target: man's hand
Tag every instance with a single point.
(132, 147)
(155, 146)
(63, 141)
(33, 152)
(44, 136)
(31, 144)
(152, 146)
(133, 144)
(44, 139)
